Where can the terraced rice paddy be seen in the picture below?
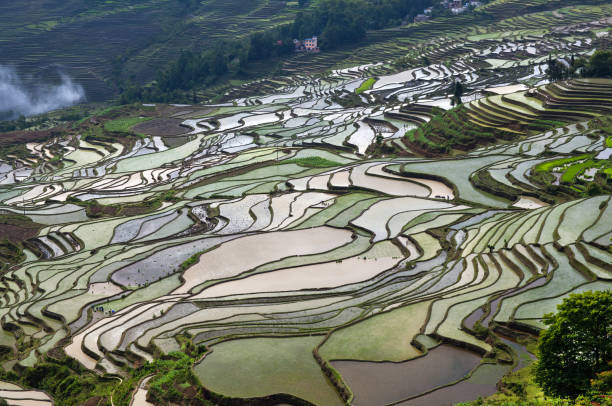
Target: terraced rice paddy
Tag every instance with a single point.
(17, 396)
(311, 247)
(279, 365)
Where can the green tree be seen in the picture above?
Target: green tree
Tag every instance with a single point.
(577, 344)
(457, 89)
(556, 70)
(602, 383)
(600, 64)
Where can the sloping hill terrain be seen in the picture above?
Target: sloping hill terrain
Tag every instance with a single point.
(107, 45)
(98, 42)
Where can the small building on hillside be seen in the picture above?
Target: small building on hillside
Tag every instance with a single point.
(308, 45)
(421, 17)
(311, 44)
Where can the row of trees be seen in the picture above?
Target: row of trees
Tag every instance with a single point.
(335, 22)
(598, 65)
(12, 122)
(339, 22)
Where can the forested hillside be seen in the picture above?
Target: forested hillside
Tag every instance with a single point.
(104, 43)
(116, 47)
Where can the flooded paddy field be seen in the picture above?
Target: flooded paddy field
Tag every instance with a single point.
(314, 250)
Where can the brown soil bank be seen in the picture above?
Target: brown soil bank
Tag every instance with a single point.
(17, 228)
(161, 127)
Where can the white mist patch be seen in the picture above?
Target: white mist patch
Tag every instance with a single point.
(18, 98)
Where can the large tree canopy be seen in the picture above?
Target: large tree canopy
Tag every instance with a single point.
(600, 64)
(577, 344)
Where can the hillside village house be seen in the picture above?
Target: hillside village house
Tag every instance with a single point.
(311, 44)
(308, 45)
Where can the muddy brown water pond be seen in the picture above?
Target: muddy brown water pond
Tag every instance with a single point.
(482, 383)
(378, 383)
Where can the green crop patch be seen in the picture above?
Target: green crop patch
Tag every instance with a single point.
(124, 125)
(312, 162)
(550, 165)
(367, 85)
(570, 174)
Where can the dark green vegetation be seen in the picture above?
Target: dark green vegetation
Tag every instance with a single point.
(576, 345)
(340, 22)
(67, 381)
(313, 162)
(457, 91)
(597, 65)
(172, 382)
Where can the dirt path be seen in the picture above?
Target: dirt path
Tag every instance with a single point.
(140, 395)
